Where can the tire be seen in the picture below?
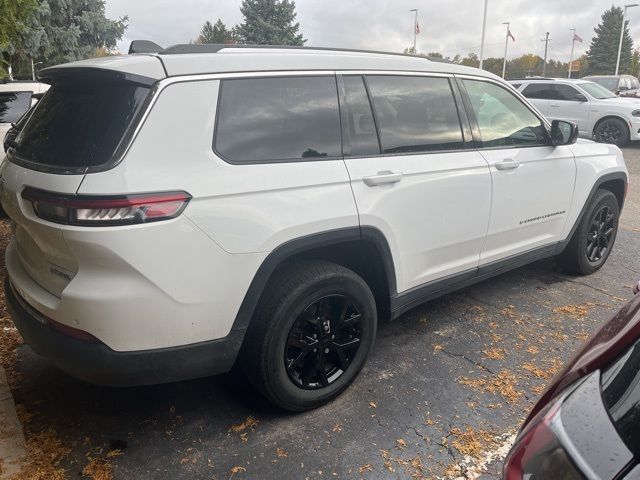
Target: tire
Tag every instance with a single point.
(596, 230)
(305, 299)
(612, 130)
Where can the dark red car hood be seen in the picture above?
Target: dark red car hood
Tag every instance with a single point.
(605, 345)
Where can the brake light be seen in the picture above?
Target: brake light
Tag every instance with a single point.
(86, 210)
(537, 453)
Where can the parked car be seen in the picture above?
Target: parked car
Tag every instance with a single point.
(587, 423)
(598, 113)
(208, 204)
(12, 133)
(621, 85)
(15, 100)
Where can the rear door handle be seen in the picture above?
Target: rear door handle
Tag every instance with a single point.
(507, 164)
(554, 105)
(381, 178)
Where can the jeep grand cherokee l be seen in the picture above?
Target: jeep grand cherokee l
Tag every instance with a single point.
(180, 211)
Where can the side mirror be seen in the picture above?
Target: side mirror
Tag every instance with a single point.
(563, 133)
(580, 97)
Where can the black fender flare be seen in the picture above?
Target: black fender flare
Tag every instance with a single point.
(300, 245)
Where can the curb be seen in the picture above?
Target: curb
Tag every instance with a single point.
(13, 449)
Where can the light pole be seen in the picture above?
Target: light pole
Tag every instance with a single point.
(484, 27)
(415, 26)
(573, 44)
(624, 18)
(506, 42)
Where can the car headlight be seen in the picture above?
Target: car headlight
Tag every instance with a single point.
(636, 113)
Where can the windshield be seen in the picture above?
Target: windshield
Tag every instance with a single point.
(596, 91)
(79, 124)
(610, 83)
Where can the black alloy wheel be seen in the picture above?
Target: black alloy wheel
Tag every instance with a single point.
(323, 342)
(600, 234)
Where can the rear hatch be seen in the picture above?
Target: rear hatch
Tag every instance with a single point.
(82, 124)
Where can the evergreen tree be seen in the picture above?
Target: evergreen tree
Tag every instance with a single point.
(59, 31)
(603, 50)
(13, 18)
(269, 22)
(217, 33)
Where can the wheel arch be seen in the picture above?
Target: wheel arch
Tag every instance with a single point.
(616, 183)
(364, 250)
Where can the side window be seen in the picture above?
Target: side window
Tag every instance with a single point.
(503, 120)
(278, 118)
(635, 83)
(516, 85)
(540, 91)
(13, 105)
(361, 128)
(564, 92)
(415, 114)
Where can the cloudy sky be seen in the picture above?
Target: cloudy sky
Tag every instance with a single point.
(448, 26)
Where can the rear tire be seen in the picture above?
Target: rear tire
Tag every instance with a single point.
(612, 130)
(593, 240)
(310, 336)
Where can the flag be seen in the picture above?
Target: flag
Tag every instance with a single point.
(417, 28)
(576, 38)
(509, 34)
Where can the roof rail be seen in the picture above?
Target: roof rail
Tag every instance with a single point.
(216, 47)
(144, 46)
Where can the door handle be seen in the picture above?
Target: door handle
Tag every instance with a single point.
(381, 178)
(507, 164)
(554, 105)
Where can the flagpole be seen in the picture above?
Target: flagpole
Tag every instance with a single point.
(573, 44)
(415, 22)
(484, 26)
(506, 43)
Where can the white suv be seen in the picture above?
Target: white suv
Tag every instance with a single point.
(176, 212)
(598, 112)
(15, 100)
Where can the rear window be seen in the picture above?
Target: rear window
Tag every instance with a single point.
(278, 119)
(13, 105)
(79, 124)
(621, 396)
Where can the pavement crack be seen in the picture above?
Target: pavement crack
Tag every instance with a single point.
(463, 356)
(597, 289)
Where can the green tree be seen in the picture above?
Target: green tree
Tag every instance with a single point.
(13, 17)
(471, 60)
(634, 65)
(269, 22)
(435, 55)
(217, 33)
(59, 31)
(603, 50)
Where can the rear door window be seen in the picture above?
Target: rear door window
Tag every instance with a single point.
(278, 119)
(540, 91)
(14, 105)
(79, 124)
(415, 114)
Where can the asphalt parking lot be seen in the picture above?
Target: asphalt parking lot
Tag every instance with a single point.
(442, 395)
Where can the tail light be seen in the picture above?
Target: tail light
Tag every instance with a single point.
(86, 210)
(537, 452)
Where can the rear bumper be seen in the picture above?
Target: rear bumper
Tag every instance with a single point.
(97, 363)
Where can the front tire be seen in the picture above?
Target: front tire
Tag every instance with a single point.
(593, 240)
(612, 130)
(311, 335)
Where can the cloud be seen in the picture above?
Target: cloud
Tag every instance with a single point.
(447, 26)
